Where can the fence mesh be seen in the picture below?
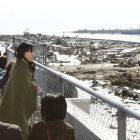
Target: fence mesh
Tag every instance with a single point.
(99, 119)
(91, 117)
(132, 128)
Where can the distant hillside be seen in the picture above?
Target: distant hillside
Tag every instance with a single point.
(109, 31)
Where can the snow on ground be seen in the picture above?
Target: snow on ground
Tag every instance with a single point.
(102, 117)
(65, 60)
(128, 101)
(72, 60)
(107, 91)
(128, 50)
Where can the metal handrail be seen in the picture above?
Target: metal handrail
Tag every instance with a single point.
(123, 111)
(106, 99)
(102, 97)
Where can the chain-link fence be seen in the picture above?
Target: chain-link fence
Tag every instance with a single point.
(93, 115)
(40, 49)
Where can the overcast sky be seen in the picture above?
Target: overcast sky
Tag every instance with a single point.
(43, 16)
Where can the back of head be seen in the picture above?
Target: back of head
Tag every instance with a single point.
(53, 107)
(10, 132)
(22, 48)
(3, 62)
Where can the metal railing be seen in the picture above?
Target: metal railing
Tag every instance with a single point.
(93, 115)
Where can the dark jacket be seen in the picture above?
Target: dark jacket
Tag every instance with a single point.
(10, 132)
(59, 130)
(20, 97)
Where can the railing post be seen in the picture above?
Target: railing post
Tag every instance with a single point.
(13, 42)
(46, 78)
(62, 87)
(45, 54)
(8, 55)
(121, 125)
(39, 56)
(45, 58)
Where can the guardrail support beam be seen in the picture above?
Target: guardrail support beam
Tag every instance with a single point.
(121, 125)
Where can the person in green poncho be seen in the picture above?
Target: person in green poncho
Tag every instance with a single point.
(20, 95)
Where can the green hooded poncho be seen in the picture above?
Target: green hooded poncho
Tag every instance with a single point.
(20, 97)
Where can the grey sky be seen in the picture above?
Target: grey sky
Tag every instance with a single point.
(43, 16)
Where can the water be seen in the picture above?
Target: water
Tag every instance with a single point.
(120, 37)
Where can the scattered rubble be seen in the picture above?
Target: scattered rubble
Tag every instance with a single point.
(116, 62)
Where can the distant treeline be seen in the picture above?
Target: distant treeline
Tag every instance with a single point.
(110, 31)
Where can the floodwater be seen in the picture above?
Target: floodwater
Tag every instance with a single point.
(119, 37)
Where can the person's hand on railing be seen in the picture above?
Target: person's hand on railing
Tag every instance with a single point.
(37, 87)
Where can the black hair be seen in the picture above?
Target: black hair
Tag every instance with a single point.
(32, 68)
(3, 61)
(20, 51)
(53, 107)
(22, 48)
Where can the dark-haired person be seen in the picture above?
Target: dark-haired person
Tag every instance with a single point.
(4, 79)
(20, 94)
(10, 132)
(3, 62)
(53, 126)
